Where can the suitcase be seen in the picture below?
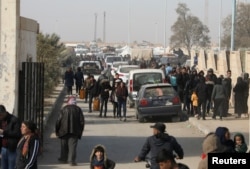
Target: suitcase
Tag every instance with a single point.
(96, 104)
(82, 94)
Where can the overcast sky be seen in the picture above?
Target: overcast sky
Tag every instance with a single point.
(73, 20)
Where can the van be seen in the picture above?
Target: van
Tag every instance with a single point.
(139, 77)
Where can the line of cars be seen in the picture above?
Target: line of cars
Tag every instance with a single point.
(148, 91)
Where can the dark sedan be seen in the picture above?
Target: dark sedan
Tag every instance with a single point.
(157, 100)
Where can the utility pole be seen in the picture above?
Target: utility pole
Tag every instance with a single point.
(165, 26)
(128, 22)
(206, 13)
(95, 27)
(104, 27)
(233, 23)
(220, 25)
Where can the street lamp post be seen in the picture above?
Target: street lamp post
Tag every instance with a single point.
(156, 33)
(233, 23)
(220, 25)
(165, 26)
(128, 22)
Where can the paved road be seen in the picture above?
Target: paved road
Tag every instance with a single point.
(123, 140)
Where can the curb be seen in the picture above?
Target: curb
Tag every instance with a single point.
(193, 121)
(47, 116)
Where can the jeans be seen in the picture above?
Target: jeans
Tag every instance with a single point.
(90, 102)
(8, 160)
(69, 90)
(202, 106)
(78, 88)
(68, 148)
(122, 105)
(104, 102)
(115, 108)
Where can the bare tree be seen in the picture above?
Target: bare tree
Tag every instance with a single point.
(242, 27)
(188, 30)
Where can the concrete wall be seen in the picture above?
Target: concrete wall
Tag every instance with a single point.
(28, 33)
(17, 44)
(9, 13)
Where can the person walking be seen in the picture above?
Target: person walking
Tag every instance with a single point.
(158, 141)
(104, 92)
(86, 85)
(122, 94)
(28, 147)
(69, 127)
(69, 80)
(239, 90)
(10, 135)
(99, 159)
(227, 83)
(247, 82)
(79, 80)
(202, 94)
(114, 99)
(93, 91)
(218, 97)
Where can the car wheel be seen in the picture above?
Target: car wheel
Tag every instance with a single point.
(176, 119)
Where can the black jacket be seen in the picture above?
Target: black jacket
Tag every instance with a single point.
(104, 90)
(79, 78)
(30, 160)
(12, 131)
(93, 88)
(70, 121)
(156, 143)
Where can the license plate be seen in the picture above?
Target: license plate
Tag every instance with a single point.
(168, 103)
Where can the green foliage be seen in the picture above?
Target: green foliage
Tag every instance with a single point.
(49, 51)
(188, 30)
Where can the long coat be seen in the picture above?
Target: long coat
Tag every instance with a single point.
(239, 90)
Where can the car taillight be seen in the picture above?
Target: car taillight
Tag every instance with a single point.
(176, 100)
(131, 86)
(143, 102)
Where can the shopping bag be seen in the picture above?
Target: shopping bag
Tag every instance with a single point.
(82, 94)
(96, 104)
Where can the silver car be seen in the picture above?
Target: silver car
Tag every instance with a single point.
(157, 100)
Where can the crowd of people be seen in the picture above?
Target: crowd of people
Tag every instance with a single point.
(101, 89)
(203, 93)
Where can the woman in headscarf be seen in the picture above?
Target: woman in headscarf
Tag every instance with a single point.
(28, 147)
(224, 136)
(239, 90)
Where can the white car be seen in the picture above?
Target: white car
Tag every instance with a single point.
(110, 59)
(115, 66)
(123, 71)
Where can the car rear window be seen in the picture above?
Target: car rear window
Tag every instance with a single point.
(127, 69)
(113, 59)
(159, 91)
(146, 78)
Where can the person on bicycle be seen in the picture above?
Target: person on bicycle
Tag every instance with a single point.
(158, 141)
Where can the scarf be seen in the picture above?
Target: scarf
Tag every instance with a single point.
(25, 148)
(95, 162)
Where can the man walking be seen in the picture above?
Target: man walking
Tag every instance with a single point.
(10, 135)
(79, 80)
(154, 144)
(69, 80)
(69, 128)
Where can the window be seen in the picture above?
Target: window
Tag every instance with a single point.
(159, 91)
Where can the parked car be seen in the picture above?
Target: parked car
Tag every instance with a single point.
(139, 77)
(123, 71)
(157, 100)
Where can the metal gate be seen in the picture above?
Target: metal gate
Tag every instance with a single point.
(31, 97)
